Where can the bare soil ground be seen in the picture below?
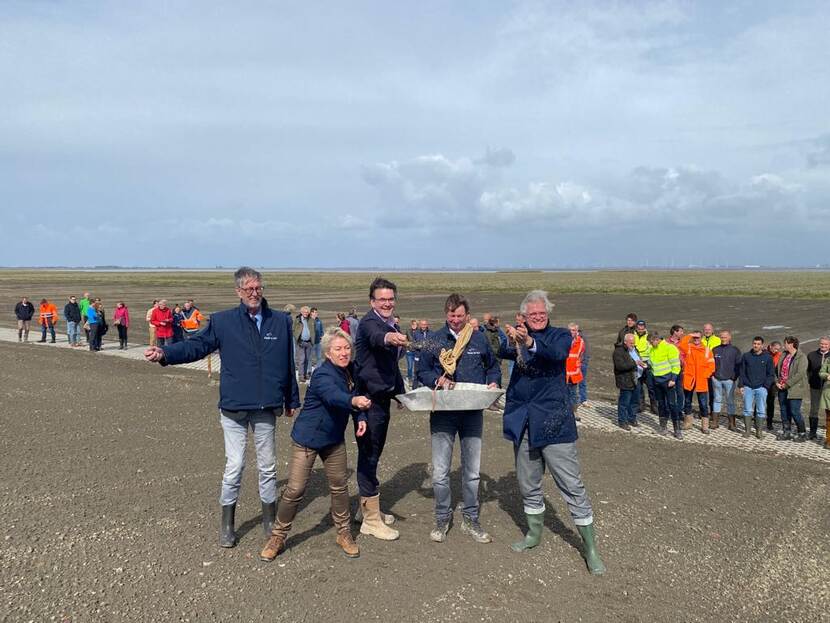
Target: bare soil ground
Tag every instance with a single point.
(111, 478)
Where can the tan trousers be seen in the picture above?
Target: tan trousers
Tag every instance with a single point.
(152, 335)
(299, 471)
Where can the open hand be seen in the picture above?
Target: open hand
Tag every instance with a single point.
(361, 428)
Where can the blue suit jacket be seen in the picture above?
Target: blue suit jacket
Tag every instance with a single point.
(378, 374)
(257, 366)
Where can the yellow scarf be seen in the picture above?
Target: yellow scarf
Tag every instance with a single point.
(449, 358)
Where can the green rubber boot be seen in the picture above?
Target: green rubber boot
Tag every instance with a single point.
(747, 426)
(534, 532)
(592, 559)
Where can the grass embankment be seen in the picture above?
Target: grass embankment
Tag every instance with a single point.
(772, 284)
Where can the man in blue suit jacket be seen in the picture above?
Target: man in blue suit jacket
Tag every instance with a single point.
(539, 421)
(477, 364)
(257, 383)
(379, 344)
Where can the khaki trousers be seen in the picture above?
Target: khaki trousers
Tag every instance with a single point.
(299, 470)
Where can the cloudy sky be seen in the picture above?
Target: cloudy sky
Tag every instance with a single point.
(428, 134)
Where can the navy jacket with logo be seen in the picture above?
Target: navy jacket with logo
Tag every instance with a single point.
(537, 398)
(326, 408)
(477, 364)
(257, 366)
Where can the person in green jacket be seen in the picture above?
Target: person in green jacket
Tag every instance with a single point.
(824, 375)
(792, 386)
(83, 305)
(665, 368)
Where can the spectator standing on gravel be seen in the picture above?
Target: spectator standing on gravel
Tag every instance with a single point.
(319, 431)
(792, 386)
(23, 312)
(343, 323)
(628, 328)
(646, 383)
(256, 384)
(675, 338)
(541, 427)
(724, 380)
(152, 328)
(304, 335)
(72, 315)
(473, 362)
(353, 322)
(824, 374)
(665, 368)
(586, 357)
(815, 361)
(48, 319)
(700, 364)
(192, 319)
(161, 318)
(379, 346)
(411, 353)
(93, 321)
(627, 368)
(178, 330)
(774, 350)
(318, 337)
(121, 320)
(756, 372)
(573, 367)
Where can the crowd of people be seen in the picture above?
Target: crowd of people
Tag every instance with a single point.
(357, 376)
(680, 368)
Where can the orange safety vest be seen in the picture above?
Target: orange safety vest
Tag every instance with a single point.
(192, 323)
(573, 365)
(48, 312)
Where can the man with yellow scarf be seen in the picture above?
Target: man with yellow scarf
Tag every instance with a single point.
(457, 353)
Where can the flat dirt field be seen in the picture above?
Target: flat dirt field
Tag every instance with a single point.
(112, 470)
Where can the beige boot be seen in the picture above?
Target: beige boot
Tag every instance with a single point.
(387, 518)
(372, 523)
(704, 425)
(687, 422)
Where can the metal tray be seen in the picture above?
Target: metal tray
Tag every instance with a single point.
(463, 397)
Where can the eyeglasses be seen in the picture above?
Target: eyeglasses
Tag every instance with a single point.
(537, 315)
(249, 291)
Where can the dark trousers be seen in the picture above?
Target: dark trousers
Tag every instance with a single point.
(51, 327)
(122, 334)
(626, 406)
(790, 411)
(161, 341)
(702, 402)
(711, 394)
(646, 384)
(94, 338)
(370, 446)
(666, 405)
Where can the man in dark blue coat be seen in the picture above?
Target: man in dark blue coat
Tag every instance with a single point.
(540, 423)
(256, 384)
(476, 364)
(379, 344)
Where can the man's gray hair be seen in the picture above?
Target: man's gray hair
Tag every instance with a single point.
(244, 273)
(331, 334)
(534, 296)
(823, 338)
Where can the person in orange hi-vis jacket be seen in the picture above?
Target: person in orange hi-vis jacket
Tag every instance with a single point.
(699, 366)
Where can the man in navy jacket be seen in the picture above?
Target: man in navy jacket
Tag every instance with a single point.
(540, 423)
(477, 364)
(379, 344)
(256, 384)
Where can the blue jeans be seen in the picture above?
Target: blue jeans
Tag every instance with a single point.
(235, 427)
(626, 403)
(443, 427)
(722, 388)
(583, 384)
(72, 331)
(755, 399)
(790, 410)
(51, 326)
(410, 365)
(702, 402)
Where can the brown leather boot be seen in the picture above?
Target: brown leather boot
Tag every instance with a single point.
(372, 524)
(688, 420)
(704, 425)
(347, 544)
(732, 425)
(273, 548)
(715, 421)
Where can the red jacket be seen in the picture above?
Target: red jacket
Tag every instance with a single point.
(122, 314)
(162, 320)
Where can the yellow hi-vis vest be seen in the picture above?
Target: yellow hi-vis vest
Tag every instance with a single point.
(665, 359)
(642, 346)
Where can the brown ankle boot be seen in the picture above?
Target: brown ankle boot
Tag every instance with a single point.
(273, 548)
(714, 422)
(732, 425)
(347, 544)
(704, 425)
(687, 422)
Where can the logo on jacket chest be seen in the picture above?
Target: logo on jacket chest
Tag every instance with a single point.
(269, 336)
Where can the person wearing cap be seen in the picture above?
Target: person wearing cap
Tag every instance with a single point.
(645, 383)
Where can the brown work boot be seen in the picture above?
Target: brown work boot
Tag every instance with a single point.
(704, 425)
(347, 544)
(273, 548)
(715, 421)
(732, 425)
(372, 523)
(688, 420)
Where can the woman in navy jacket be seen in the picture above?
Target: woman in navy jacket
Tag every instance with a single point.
(319, 431)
